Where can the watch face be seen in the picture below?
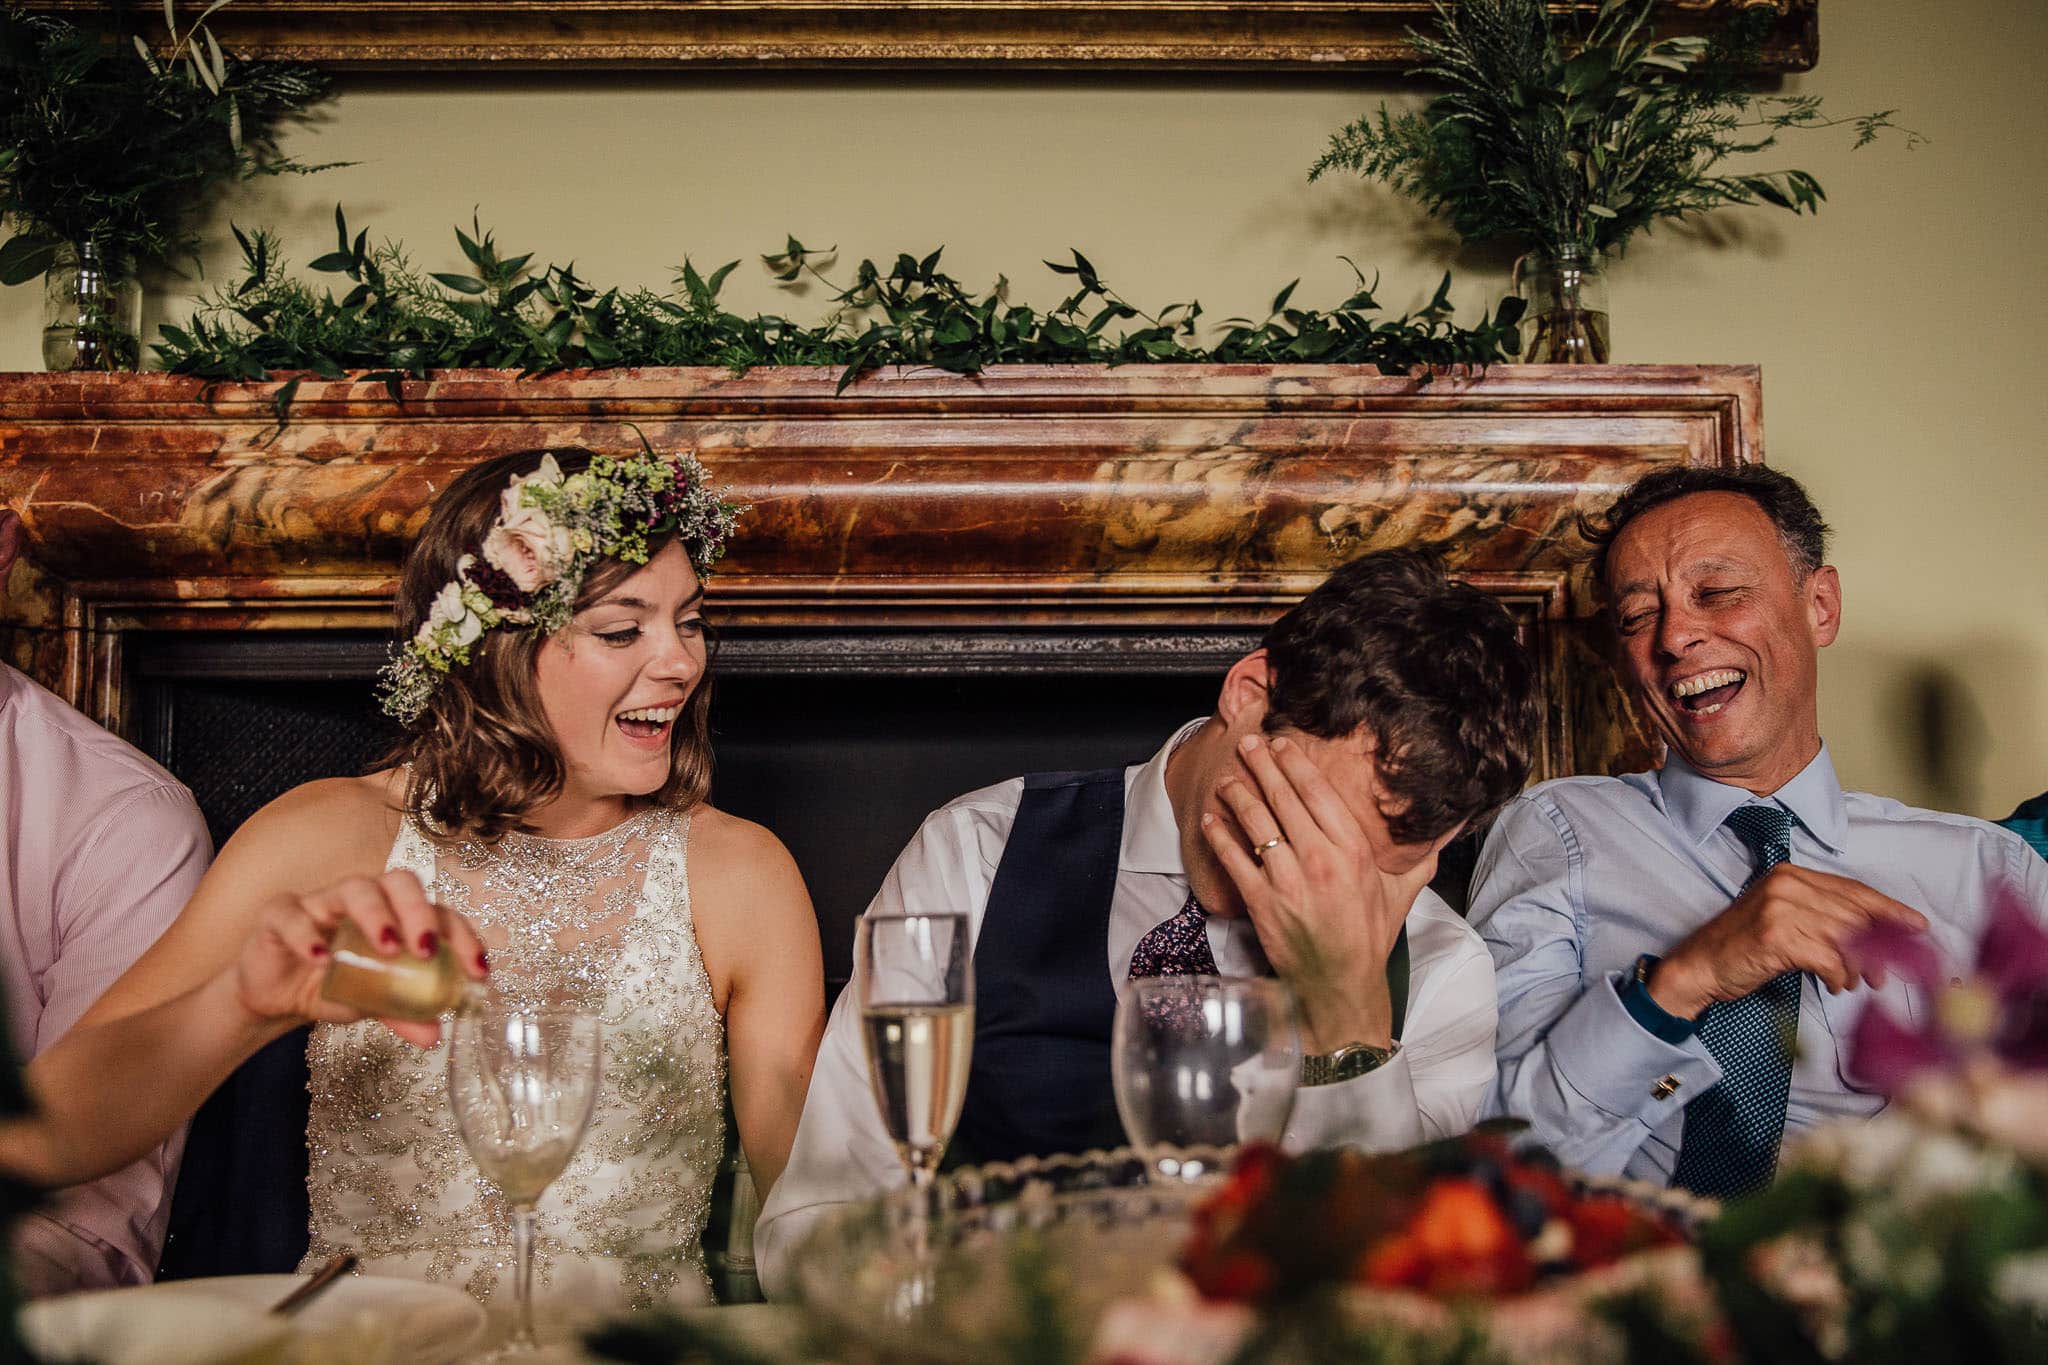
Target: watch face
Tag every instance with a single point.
(1353, 1059)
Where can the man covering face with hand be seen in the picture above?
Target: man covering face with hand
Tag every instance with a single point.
(1292, 832)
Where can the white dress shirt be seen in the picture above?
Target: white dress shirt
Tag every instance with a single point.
(1433, 1087)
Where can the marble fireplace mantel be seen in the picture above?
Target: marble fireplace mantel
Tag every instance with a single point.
(1024, 498)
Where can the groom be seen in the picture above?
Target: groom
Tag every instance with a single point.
(1293, 832)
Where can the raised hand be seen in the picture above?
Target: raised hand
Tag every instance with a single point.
(1329, 898)
(1792, 919)
(286, 958)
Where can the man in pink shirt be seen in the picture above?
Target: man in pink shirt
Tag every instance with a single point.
(99, 850)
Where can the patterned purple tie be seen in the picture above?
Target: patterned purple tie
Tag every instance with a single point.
(1176, 947)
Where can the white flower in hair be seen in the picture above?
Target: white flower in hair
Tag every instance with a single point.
(449, 608)
(469, 629)
(528, 547)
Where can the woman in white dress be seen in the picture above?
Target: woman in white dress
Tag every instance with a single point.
(550, 786)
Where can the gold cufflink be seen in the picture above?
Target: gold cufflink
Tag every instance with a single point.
(1665, 1088)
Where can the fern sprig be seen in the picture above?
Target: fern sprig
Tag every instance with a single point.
(1586, 136)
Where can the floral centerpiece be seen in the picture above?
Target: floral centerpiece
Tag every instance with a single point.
(1459, 1250)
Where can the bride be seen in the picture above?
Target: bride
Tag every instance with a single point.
(550, 787)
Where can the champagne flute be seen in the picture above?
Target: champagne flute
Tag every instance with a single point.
(916, 997)
(1203, 1061)
(522, 1080)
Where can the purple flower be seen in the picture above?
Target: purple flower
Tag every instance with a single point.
(1998, 1013)
(497, 585)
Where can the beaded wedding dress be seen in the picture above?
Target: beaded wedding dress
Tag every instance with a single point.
(604, 920)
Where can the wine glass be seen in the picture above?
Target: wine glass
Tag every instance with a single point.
(1203, 1061)
(916, 981)
(522, 1080)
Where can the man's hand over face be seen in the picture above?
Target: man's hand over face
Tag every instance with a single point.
(1792, 919)
(1326, 912)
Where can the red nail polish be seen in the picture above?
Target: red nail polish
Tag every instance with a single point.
(388, 936)
(483, 963)
(428, 942)
(318, 950)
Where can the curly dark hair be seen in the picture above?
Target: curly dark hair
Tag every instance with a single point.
(482, 757)
(1783, 500)
(1432, 668)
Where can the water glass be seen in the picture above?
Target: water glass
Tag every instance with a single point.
(1203, 1061)
(523, 1082)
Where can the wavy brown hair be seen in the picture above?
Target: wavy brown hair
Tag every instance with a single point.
(1430, 667)
(482, 759)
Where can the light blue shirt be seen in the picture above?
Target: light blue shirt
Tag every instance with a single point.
(1581, 876)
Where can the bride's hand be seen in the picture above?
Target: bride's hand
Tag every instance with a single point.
(285, 961)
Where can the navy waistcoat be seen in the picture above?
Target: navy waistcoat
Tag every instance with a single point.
(1043, 1000)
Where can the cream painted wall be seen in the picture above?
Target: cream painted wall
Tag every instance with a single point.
(1901, 374)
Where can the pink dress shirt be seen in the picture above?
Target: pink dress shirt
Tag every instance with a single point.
(99, 851)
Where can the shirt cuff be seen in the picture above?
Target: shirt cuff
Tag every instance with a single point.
(1641, 1007)
(1623, 1069)
(1377, 1111)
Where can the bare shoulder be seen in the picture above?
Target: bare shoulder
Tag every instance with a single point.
(739, 856)
(752, 913)
(319, 833)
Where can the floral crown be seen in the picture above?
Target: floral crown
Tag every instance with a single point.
(529, 569)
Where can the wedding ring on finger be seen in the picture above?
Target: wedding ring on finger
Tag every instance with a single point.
(1260, 851)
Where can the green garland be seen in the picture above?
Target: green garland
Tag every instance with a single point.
(397, 323)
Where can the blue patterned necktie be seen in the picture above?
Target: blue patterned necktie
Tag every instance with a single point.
(1176, 947)
(1732, 1131)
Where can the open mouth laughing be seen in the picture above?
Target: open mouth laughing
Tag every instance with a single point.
(1703, 694)
(648, 725)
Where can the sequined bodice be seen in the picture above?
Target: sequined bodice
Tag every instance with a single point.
(606, 920)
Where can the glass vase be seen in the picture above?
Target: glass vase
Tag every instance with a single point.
(92, 313)
(1566, 319)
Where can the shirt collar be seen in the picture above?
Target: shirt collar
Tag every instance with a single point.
(1698, 805)
(1151, 836)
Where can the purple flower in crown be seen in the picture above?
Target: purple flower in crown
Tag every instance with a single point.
(1996, 1016)
(496, 584)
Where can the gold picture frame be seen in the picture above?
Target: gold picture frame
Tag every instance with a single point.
(1170, 35)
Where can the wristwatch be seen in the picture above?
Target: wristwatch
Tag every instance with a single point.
(1346, 1063)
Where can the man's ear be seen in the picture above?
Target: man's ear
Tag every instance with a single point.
(1824, 605)
(1244, 692)
(10, 542)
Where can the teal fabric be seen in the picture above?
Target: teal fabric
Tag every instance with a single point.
(2030, 822)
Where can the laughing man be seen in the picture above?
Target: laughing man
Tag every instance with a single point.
(1675, 994)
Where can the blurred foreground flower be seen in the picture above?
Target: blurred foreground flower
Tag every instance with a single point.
(1977, 1058)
